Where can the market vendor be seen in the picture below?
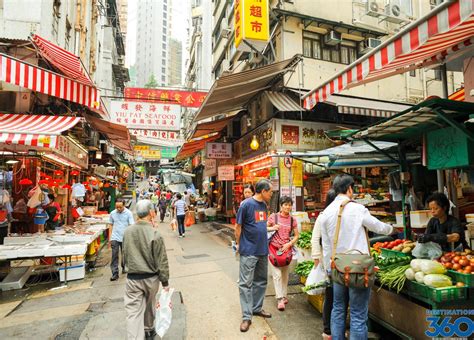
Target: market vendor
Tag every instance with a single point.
(444, 229)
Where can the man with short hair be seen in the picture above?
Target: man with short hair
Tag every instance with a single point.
(120, 219)
(147, 265)
(252, 244)
(352, 236)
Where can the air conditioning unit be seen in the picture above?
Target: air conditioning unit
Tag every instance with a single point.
(394, 14)
(226, 32)
(370, 44)
(373, 9)
(332, 38)
(255, 58)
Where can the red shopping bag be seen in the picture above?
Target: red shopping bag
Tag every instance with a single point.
(189, 219)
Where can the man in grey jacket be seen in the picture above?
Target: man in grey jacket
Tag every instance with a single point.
(147, 265)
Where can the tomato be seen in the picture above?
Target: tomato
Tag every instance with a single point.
(456, 259)
(384, 245)
(468, 268)
(456, 266)
(460, 284)
(443, 259)
(466, 271)
(399, 242)
(448, 265)
(464, 258)
(461, 271)
(463, 263)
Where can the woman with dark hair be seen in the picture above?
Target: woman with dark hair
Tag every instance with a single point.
(317, 254)
(53, 209)
(249, 191)
(444, 229)
(283, 225)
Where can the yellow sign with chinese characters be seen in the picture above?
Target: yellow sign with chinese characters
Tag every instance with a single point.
(251, 23)
(296, 174)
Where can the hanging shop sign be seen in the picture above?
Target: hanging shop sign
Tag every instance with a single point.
(210, 167)
(182, 98)
(296, 173)
(265, 137)
(168, 152)
(218, 150)
(447, 148)
(251, 24)
(225, 173)
(72, 152)
(290, 135)
(141, 115)
(147, 152)
(165, 138)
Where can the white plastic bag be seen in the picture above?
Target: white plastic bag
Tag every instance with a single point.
(429, 250)
(317, 281)
(164, 312)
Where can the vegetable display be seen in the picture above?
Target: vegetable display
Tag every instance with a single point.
(462, 262)
(428, 272)
(304, 268)
(399, 261)
(437, 280)
(304, 241)
(393, 277)
(404, 246)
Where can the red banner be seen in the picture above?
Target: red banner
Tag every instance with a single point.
(183, 98)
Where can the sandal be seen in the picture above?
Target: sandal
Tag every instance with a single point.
(281, 305)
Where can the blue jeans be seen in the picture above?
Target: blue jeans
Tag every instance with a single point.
(180, 219)
(252, 284)
(359, 302)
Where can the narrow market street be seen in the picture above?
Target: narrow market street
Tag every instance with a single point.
(206, 305)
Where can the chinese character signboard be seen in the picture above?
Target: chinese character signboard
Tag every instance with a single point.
(182, 98)
(210, 168)
(167, 152)
(141, 115)
(218, 150)
(71, 152)
(296, 172)
(147, 152)
(225, 173)
(251, 23)
(157, 137)
(290, 134)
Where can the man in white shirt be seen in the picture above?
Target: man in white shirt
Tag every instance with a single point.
(355, 218)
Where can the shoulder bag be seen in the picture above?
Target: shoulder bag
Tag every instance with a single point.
(275, 256)
(352, 268)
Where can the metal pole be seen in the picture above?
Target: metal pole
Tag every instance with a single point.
(444, 82)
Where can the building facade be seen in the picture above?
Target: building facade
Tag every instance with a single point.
(152, 44)
(175, 64)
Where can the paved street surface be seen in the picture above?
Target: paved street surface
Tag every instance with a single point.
(205, 304)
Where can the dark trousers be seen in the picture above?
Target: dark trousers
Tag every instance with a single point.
(162, 213)
(116, 249)
(3, 233)
(180, 219)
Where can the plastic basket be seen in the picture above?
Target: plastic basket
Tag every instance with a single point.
(317, 301)
(467, 279)
(445, 294)
(392, 253)
(303, 279)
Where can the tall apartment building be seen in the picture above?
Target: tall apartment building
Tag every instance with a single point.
(175, 63)
(199, 67)
(122, 8)
(87, 28)
(330, 36)
(152, 45)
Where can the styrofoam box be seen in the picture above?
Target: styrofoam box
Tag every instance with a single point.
(9, 252)
(75, 249)
(76, 271)
(54, 251)
(32, 251)
(419, 218)
(20, 240)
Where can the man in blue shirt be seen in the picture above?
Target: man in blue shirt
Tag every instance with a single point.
(120, 219)
(251, 240)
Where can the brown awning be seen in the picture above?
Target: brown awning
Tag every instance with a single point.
(191, 148)
(210, 127)
(234, 91)
(117, 134)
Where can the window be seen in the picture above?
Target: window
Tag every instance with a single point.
(437, 74)
(164, 30)
(412, 73)
(164, 46)
(165, 7)
(311, 45)
(163, 70)
(163, 54)
(163, 78)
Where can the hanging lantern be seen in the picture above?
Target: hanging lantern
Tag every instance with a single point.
(74, 173)
(25, 181)
(42, 174)
(254, 144)
(94, 183)
(43, 181)
(305, 177)
(47, 178)
(66, 186)
(88, 187)
(58, 172)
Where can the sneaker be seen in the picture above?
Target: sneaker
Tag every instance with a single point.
(181, 236)
(184, 235)
(114, 278)
(281, 305)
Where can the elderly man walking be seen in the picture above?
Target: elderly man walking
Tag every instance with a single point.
(251, 240)
(147, 265)
(120, 219)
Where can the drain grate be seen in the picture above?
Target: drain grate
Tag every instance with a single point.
(189, 257)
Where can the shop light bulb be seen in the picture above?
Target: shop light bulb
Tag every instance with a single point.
(254, 145)
(12, 161)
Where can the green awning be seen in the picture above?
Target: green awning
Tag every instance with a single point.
(429, 115)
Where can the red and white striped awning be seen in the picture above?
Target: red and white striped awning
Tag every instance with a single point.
(443, 33)
(68, 63)
(459, 95)
(18, 72)
(34, 130)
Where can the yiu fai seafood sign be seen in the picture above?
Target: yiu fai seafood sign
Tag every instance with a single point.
(150, 116)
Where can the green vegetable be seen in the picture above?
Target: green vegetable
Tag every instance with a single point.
(304, 268)
(393, 276)
(432, 267)
(304, 241)
(437, 280)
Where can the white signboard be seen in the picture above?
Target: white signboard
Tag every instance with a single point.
(72, 152)
(218, 150)
(225, 173)
(148, 116)
(210, 168)
(157, 137)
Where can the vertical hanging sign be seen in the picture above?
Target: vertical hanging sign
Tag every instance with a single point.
(251, 24)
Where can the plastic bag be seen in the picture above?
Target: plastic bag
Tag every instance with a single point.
(317, 281)
(429, 250)
(164, 312)
(174, 224)
(189, 219)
